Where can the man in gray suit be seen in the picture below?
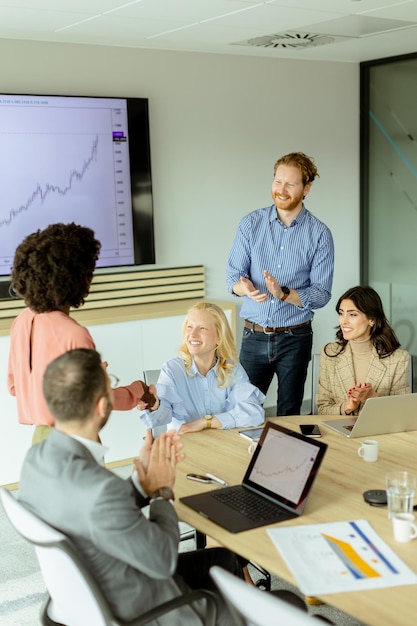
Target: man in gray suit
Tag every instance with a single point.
(134, 559)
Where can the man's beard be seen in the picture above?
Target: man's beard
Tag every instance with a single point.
(288, 206)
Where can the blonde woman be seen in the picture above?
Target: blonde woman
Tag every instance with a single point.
(204, 386)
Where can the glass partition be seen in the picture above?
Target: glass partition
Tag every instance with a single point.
(389, 189)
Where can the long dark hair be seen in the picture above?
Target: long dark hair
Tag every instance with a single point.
(368, 302)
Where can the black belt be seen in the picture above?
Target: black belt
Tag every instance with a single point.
(269, 330)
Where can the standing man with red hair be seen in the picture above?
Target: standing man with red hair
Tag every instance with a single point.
(281, 264)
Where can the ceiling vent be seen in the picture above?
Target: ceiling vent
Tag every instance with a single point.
(291, 40)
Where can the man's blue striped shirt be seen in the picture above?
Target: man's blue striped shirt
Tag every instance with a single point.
(300, 256)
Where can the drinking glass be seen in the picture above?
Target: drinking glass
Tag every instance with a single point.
(401, 486)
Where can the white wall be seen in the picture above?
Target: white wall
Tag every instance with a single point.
(217, 125)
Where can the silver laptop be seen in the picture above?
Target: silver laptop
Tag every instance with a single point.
(380, 416)
(275, 487)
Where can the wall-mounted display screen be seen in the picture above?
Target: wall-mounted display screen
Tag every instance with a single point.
(77, 159)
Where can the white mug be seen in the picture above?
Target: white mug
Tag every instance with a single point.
(252, 447)
(404, 527)
(369, 450)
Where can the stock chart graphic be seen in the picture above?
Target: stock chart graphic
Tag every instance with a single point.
(65, 160)
(41, 193)
(284, 469)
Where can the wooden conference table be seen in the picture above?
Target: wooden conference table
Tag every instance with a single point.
(336, 496)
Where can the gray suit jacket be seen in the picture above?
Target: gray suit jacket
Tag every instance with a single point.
(388, 377)
(133, 558)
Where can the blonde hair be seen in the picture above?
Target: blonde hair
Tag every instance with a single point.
(226, 350)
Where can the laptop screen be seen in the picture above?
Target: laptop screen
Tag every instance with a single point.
(284, 465)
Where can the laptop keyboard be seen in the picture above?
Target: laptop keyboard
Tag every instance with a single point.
(249, 504)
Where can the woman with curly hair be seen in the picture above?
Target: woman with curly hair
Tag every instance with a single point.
(366, 360)
(205, 386)
(52, 272)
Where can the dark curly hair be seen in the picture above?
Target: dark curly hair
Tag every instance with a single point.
(53, 268)
(303, 162)
(367, 301)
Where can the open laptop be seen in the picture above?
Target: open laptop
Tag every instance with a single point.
(275, 487)
(380, 416)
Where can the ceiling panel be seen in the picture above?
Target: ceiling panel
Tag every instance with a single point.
(403, 11)
(346, 7)
(360, 25)
(217, 25)
(45, 21)
(88, 6)
(184, 10)
(118, 28)
(269, 18)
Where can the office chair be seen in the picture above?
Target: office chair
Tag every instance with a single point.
(151, 378)
(74, 597)
(411, 374)
(315, 375)
(251, 607)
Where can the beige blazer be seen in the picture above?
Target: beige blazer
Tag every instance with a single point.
(388, 377)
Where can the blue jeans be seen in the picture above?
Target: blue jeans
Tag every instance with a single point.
(286, 354)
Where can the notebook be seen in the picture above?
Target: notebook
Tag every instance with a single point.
(380, 416)
(275, 487)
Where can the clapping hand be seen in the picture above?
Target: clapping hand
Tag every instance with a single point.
(251, 292)
(156, 466)
(273, 287)
(357, 395)
(361, 392)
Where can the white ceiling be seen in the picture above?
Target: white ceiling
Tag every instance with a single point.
(337, 30)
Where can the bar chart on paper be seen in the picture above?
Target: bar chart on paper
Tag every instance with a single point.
(339, 556)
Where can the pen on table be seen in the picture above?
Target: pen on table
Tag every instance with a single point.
(217, 480)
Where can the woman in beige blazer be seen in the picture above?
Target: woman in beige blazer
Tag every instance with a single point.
(365, 361)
